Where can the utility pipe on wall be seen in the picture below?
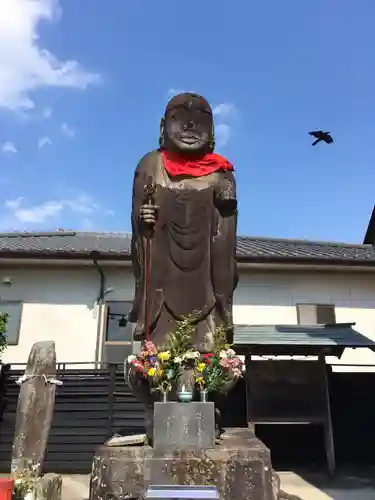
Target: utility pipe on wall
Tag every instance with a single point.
(100, 301)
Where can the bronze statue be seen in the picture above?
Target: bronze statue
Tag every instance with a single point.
(185, 228)
(194, 227)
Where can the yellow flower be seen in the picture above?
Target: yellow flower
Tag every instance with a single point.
(164, 356)
(151, 372)
(159, 372)
(201, 367)
(199, 380)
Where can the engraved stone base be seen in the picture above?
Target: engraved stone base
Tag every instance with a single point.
(179, 426)
(240, 468)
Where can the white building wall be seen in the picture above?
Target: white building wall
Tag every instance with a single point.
(271, 298)
(60, 304)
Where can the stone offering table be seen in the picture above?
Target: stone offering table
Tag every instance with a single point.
(240, 467)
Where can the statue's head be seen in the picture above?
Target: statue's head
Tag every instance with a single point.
(187, 126)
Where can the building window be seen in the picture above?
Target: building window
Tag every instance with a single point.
(316, 314)
(118, 328)
(14, 311)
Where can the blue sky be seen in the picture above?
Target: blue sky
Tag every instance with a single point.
(82, 90)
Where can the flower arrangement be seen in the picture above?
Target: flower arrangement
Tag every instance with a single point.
(163, 368)
(217, 369)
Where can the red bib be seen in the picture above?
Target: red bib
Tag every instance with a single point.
(176, 164)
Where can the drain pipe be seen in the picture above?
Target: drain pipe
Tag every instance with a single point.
(100, 301)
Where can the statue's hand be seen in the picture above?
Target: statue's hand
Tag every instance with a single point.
(148, 214)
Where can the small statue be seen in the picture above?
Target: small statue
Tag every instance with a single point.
(184, 217)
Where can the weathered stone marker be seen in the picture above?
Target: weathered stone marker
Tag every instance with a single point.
(35, 408)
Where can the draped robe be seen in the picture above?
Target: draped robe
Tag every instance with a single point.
(193, 261)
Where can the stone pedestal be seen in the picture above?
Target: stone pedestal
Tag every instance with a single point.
(240, 467)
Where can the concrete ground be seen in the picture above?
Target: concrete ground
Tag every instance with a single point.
(307, 486)
(317, 486)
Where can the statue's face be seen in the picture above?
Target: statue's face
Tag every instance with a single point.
(188, 125)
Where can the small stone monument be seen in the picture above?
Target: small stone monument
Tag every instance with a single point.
(33, 420)
(184, 426)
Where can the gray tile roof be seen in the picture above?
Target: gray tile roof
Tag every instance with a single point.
(117, 246)
(267, 339)
(80, 244)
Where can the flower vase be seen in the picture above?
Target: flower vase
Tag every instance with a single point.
(164, 397)
(204, 396)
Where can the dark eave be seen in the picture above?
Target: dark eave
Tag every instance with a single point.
(370, 233)
(116, 246)
(299, 339)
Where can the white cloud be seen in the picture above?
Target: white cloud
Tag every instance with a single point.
(223, 133)
(44, 141)
(35, 214)
(47, 113)
(9, 147)
(53, 210)
(14, 204)
(224, 110)
(172, 92)
(224, 113)
(67, 131)
(25, 65)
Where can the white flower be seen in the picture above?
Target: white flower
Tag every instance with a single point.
(230, 352)
(177, 360)
(191, 355)
(131, 358)
(223, 354)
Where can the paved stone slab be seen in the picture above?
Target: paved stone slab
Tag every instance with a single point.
(76, 486)
(184, 425)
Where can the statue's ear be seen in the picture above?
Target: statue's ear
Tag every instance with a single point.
(161, 138)
(212, 141)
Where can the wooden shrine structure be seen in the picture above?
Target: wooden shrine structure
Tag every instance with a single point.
(293, 391)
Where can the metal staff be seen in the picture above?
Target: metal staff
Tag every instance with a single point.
(149, 191)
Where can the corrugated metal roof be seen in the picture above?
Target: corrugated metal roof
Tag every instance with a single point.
(303, 336)
(117, 245)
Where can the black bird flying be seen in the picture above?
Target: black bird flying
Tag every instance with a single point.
(321, 136)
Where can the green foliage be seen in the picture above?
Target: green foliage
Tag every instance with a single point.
(215, 376)
(178, 347)
(220, 340)
(3, 330)
(178, 341)
(27, 480)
